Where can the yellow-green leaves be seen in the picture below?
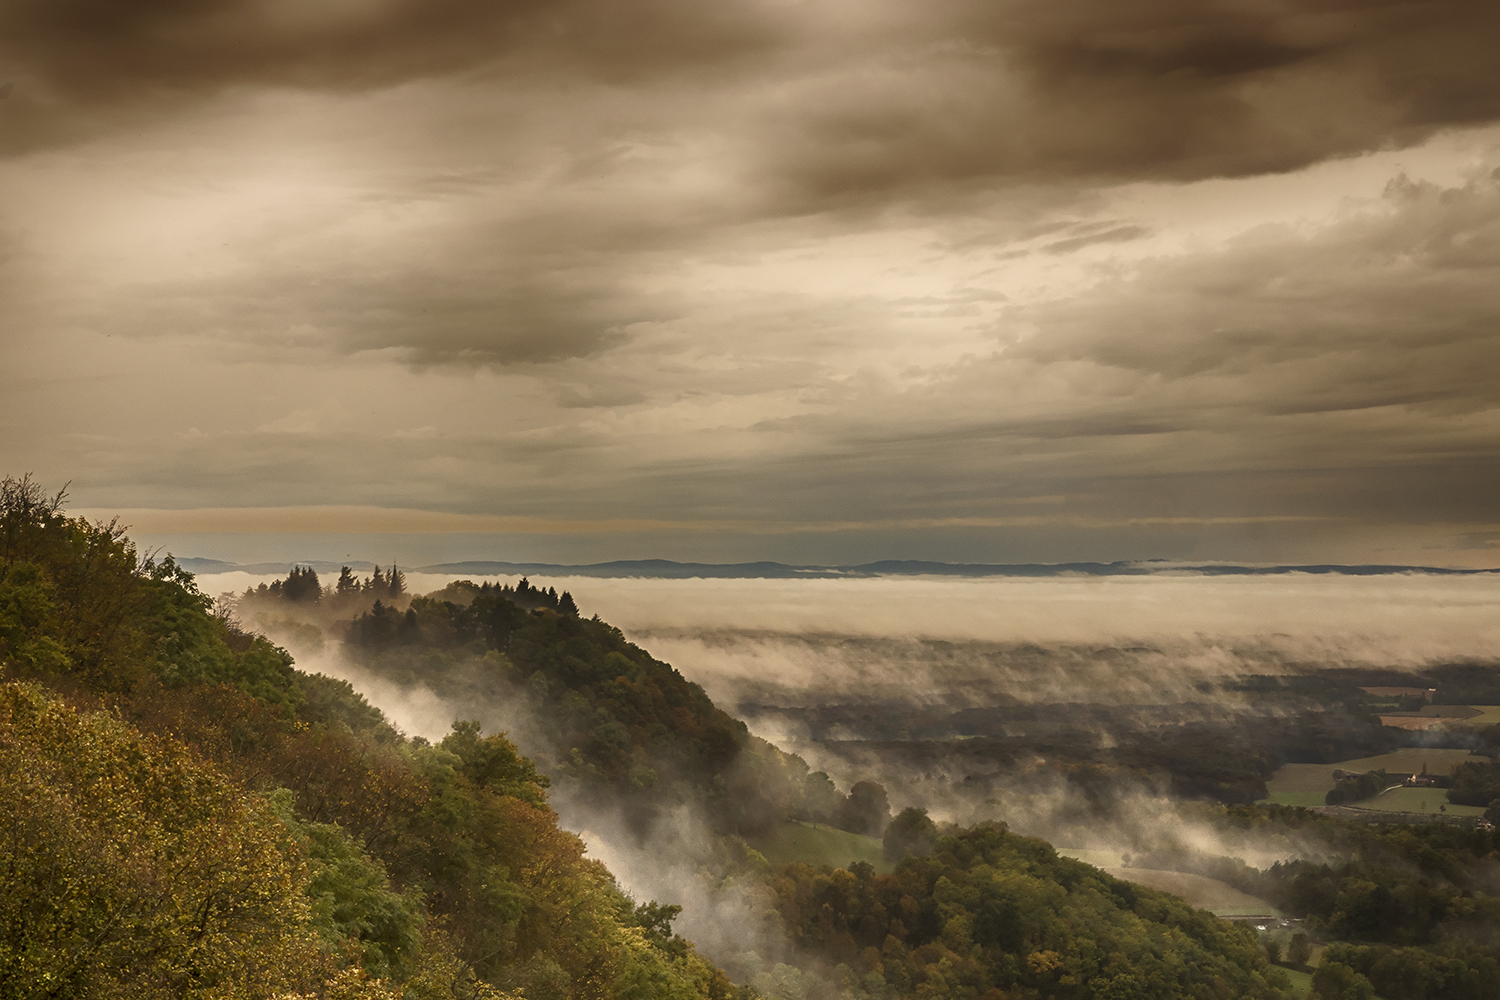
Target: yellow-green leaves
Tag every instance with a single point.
(131, 869)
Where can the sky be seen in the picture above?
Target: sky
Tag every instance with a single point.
(806, 280)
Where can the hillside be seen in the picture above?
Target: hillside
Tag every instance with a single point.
(189, 814)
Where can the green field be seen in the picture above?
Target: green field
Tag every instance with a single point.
(796, 841)
(1306, 784)
(1301, 982)
(1198, 891)
(1418, 800)
(1411, 759)
(1300, 784)
(1489, 715)
(1455, 713)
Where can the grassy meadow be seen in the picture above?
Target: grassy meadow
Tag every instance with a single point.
(821, 845)
(1307, 784)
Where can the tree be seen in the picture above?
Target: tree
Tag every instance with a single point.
(1336, 981)
(1299, 951)
(911, 832)
(820, 799)
(302, 586)
(867, 810)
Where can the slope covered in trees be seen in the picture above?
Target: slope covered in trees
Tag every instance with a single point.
(618, 719)
(186, 813)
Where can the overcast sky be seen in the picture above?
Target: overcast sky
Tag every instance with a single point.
(812, 280)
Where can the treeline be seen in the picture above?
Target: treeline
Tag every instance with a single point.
(302, 586)
(182, 813)
(349, 594)
(1476, 783)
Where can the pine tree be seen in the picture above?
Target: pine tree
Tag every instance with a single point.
(302, 585)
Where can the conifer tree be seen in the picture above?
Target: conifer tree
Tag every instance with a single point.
(302, 585)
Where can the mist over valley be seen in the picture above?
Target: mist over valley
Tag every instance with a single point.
(1116, 717)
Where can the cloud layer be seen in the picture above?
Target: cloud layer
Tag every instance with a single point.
(982, 281)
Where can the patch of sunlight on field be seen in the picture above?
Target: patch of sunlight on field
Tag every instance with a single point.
(1301, 982)
(1099, 859)
(1489, 715)
(1198, 891)
(1411, 759)
(1302, 779)
(1307, 800)
(795, 841)
(1419, 800)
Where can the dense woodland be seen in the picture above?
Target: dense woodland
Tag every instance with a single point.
(187, 813)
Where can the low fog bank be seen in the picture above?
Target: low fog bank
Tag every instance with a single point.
(745, 670)
(1130, 819)
(1138, 640)
(973, 642)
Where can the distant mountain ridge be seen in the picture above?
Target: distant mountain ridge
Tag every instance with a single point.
(766, 570)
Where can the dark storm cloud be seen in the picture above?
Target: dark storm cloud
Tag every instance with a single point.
(86, 66)
(102, 51)
(963, 93)
(828, 105)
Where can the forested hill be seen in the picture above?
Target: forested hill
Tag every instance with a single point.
(185, 813)
(618, 723)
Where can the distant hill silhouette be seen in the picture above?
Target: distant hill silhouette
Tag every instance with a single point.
(765, 570)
